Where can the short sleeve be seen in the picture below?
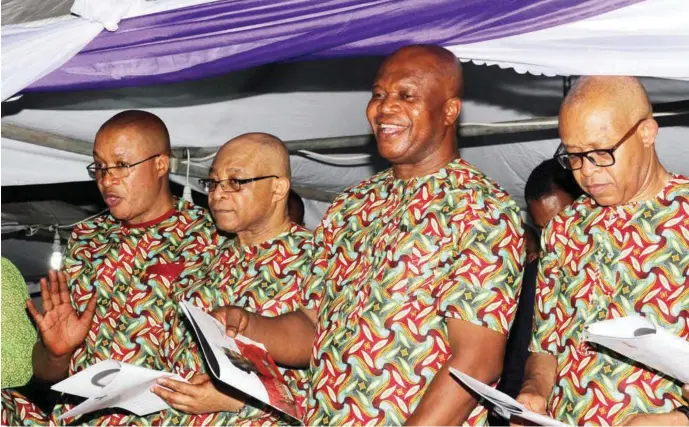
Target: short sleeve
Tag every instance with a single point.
(313, 287)
(484, 280)
(545, 338)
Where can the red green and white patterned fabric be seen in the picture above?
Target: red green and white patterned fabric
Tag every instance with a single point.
(393, 260)
(602, 263)
(265, 279)
(138, 274)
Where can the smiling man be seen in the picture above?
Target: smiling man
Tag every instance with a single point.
(123, 275)
(415, 270)
(261, 269)
(620, 251)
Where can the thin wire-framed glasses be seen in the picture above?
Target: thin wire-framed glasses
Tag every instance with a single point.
(119, 171)
(603, 157)
(230, 185)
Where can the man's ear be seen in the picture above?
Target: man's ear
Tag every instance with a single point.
(162, 164)
(648, 132)
(451, 110)
(281, 188)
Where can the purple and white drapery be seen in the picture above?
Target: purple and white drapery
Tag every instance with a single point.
(228, 35)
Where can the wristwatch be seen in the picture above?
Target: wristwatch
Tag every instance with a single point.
(684, 410)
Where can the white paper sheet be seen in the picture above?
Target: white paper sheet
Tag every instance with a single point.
(505, 406)
(637, 338)
(114, 384)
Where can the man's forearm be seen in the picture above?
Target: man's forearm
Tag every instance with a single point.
(539, 374)
(288, 337)
(47, 367)
(445, 402)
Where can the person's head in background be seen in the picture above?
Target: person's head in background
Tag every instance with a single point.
(248, 187)
(131, 161)
(549, 189)
(295, 208)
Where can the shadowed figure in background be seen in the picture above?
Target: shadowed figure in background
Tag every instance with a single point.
(548, 190)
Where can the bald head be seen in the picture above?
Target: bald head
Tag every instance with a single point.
(434, 60)
(622, 94)
(256, 208)
(264, 148)
(149, 128)
(140, 192)
(414, 108)
(613, 116)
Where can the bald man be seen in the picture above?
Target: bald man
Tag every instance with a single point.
(123, 275)
(619, 251)
(260, 270)
(415, 270)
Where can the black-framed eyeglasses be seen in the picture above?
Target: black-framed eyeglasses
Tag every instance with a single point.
(120, 170)
(230, 185)
(602, 157)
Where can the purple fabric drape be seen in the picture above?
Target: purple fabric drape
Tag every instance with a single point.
(229, 35)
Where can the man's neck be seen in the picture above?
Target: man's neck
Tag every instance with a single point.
(264, 231)
(163, 205)
(428, 165)
(653, 183)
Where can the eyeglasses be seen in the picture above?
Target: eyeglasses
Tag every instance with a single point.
(121, 170)
(603, 157)
(230, 185)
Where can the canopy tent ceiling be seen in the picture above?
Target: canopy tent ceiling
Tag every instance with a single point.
(163, 42)
(302, 99)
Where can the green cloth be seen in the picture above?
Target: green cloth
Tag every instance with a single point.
(18, 333)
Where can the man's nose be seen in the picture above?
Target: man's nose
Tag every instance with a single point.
(588, 168)
(389, 104)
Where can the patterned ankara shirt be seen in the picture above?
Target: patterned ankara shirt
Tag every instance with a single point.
(265, 279)
(603, 263)
(138, 274)
(392, 260)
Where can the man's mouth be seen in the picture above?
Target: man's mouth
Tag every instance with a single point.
(112, 200)
(594, 189)
(390, 129)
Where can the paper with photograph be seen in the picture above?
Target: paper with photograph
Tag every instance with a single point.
(240, 362)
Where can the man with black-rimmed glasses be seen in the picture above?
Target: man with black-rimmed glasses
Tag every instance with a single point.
(620, 251)
(261, 269)
(117, 295)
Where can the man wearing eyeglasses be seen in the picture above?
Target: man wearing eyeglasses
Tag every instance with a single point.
(261, 269)
(621, 250)
(123, 274)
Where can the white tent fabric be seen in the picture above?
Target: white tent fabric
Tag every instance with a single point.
(649, 38)
(205, 117)
(611, 43)
(32, 50)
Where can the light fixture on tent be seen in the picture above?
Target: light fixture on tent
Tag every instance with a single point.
(186, 194)
(56, 256)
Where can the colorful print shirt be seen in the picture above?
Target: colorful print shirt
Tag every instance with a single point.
(603, 263)
(265, 279)
(138, 274)
(393, 259)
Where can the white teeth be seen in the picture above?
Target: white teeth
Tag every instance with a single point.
(389, 126)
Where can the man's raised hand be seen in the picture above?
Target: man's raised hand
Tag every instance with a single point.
(62, 329)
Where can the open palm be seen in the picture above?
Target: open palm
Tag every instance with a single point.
(62, 329)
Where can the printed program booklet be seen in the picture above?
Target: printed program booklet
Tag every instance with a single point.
(501, 403)
(114, 384)
(639, 339)
(240, 362)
